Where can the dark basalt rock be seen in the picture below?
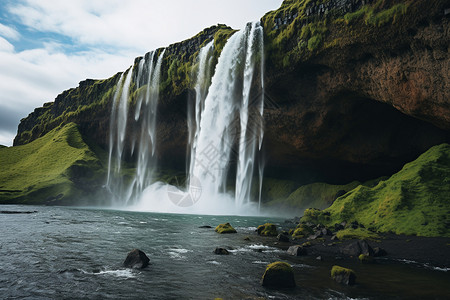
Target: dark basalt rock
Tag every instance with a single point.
(283, 237)
(205, 226)
(296, 250)
(377, 251)
(356, 248)
(221, 251)
(136, 259)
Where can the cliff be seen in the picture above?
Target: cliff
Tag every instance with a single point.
(354, 90)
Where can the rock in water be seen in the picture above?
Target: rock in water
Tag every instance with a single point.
(225, 228)
(356, 248)
(221, 251)
(377, 251)
(296, 250)
(136, 259)
(365, 259)
(267, 229)
(278, 274)
(343, 275)
(283, 237)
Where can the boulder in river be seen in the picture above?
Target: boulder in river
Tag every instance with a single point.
(365, 259)
(267, 229)
(225, 228)
(278, 274)
(377, 251)
(283, 237)
(136, 259)
(356, 248)
(221, 251)
(297, 250)
(343, 275)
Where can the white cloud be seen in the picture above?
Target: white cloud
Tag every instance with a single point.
(115, 31)
(9, 32)
(32, 77)
(136, 24)
(5, 46)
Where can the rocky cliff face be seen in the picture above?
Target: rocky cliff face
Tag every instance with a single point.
(354, 90)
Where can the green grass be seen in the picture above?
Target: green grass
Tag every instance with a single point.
(45, 170)
(295, 42)
(358, 233)
(414, 201)
(318, 195)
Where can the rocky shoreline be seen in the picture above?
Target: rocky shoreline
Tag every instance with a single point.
(322, 244)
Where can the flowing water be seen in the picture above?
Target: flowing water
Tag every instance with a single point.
(144, 145)
(75, 253)
(225, 127)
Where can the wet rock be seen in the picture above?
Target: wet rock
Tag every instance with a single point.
(297, 250)
(377, 251)
(356, 248)
(225, 228)
(221, 251)
(316, 235)
(283, 237)
(136, 259)
(278, 274)
(343, 275)
(365, 259)
(205, 226)
(325, 231)
(247, 238)
(334, 237)
(267, 229)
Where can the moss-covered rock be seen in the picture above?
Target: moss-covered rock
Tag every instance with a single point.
(343, 275)
(302, 231)
(278, 274)
(225, 228)
(267, 229)
(365, 259)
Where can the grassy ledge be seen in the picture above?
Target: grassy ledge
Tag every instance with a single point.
(55, 169)
(414, 201)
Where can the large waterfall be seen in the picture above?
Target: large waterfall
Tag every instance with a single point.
(225, 124)
(143, 146)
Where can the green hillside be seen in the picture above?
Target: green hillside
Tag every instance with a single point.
(414, 201)
(49, 169)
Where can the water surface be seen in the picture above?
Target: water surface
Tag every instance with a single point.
(62, 253)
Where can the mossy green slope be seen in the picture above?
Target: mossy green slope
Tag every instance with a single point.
(414, 201)
(319, 195)
(49, 169)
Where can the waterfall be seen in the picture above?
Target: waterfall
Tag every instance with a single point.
(225, 132)
(231, 119)
(146, 86)
(117, 133)
(203, 79)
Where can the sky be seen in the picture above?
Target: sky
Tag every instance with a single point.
(48, 46)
